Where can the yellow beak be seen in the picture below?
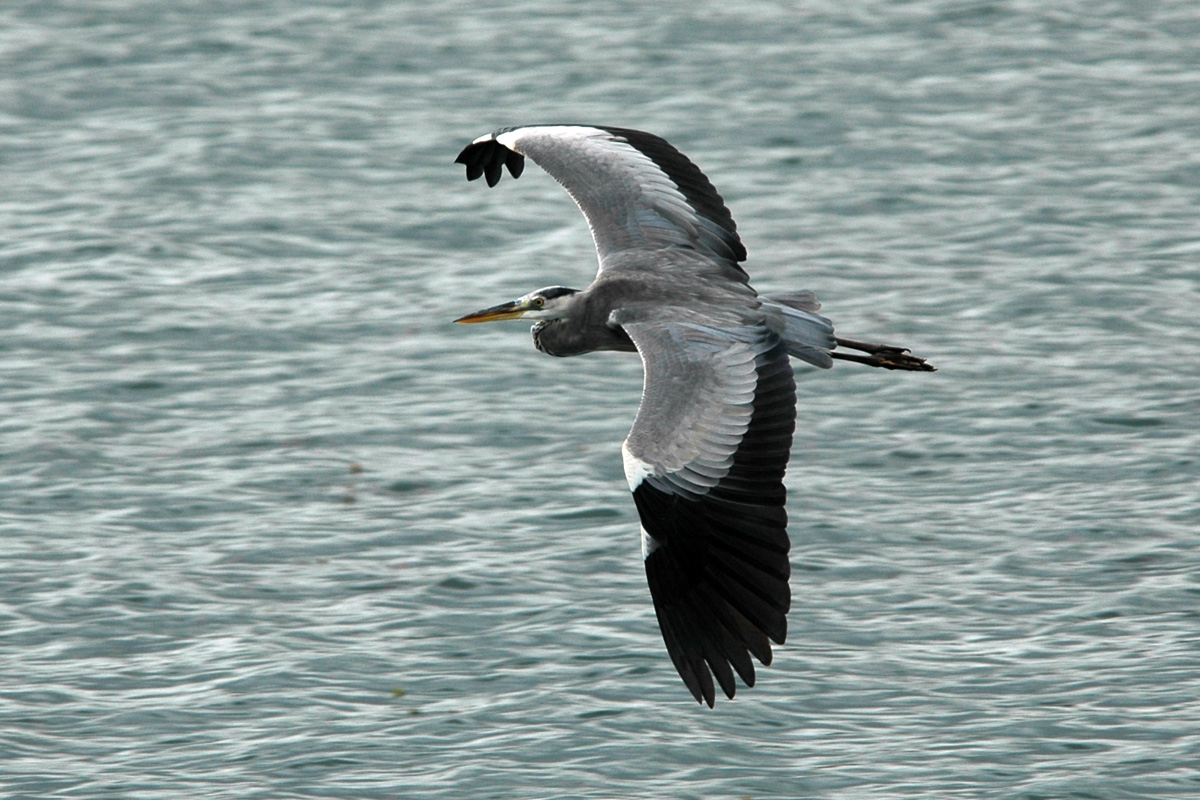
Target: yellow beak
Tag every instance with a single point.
(513, 309)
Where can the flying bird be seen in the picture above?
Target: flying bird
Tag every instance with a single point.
(706, 455)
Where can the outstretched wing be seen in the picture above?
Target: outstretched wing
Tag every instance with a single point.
(636, 190)
(705, 460)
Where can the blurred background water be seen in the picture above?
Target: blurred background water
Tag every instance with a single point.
(272, 527)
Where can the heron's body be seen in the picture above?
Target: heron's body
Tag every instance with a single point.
(707, 452)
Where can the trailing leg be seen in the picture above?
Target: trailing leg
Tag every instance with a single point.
(882, 355)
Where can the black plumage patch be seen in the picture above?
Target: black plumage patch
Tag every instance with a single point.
(719, 575)
(489, 158)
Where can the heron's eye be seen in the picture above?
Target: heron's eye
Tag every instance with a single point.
(539, 301)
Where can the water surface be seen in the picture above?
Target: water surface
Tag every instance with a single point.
(273, 527)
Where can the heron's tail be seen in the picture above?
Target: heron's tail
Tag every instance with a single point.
(809, 337)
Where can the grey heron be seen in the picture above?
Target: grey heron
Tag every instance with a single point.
(706, 455)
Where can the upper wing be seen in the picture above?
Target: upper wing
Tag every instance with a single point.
(636, 190)
(705, 460)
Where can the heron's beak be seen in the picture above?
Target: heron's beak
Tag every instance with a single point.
(514, 309)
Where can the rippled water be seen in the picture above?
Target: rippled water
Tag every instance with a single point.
(273, 527)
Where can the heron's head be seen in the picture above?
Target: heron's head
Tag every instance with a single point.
(552, 302)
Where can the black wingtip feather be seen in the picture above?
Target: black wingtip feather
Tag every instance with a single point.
(493, 170)
(488, 159)
(516, 163)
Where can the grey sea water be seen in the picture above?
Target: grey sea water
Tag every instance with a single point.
(272, 527)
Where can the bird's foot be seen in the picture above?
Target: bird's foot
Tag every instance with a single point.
(883, 355)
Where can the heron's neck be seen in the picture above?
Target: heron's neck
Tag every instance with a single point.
(568, 337)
